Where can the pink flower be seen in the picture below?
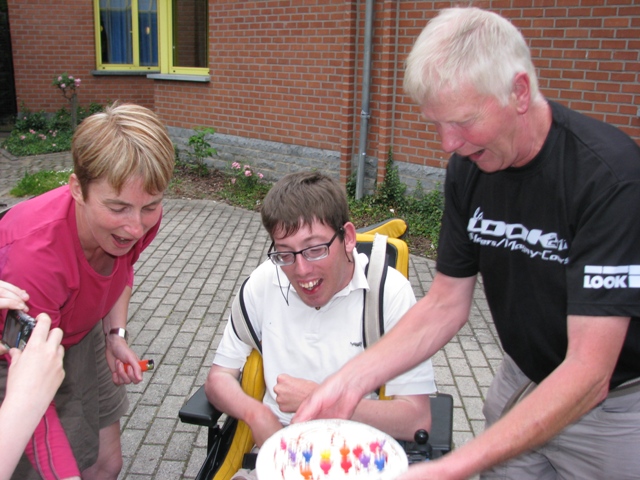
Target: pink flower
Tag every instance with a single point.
(247, 173)
(59, 79)
(53, 144)
(62, 85)
(233, 181)
(235, 165)
(247, 167)
(70, 77)
(260, 176)
(77, 82)
(22, 137)
(31, 131)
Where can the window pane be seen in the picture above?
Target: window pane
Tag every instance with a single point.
(148, 28)
(190, 33)
(115, 31)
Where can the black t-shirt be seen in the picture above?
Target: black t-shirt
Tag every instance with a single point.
(559, 236)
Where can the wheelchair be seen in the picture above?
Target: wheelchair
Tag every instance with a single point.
(229, 443)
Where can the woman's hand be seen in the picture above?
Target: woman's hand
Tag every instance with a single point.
(118, 354)
(12, 297)
(36, 373)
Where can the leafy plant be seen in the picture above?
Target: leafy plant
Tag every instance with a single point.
(392, 191)
(40, 182)
(422, 212)
(201, 149)
(36, 133)
(34, 142)
(27, 120)
(246, 186)
(68, 84)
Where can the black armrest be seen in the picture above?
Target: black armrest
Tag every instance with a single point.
(199, 411)
(441, 435)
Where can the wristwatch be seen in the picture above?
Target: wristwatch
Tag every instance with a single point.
(121, 332)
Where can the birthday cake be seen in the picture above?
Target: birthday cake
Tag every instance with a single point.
(330, 450)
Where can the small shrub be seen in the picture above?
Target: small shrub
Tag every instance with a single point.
(27, 120)
(68, 85)
(246, 186)
(201, 149)
(392, 191)
(34, 142)
(36, 133)
(422, 211)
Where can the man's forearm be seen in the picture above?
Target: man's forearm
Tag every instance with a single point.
(570, 391)
(399, 417)
(423, 330)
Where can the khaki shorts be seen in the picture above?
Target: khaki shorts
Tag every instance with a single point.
(87, 401)
(604, 443)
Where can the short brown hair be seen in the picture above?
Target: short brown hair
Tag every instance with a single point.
(123, 141)
(301, 198)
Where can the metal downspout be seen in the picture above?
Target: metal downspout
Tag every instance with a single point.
(366, 88)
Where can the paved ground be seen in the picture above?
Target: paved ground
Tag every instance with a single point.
(184, 285)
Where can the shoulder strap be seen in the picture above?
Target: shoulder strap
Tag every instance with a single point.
(372, 315)
(240, 321)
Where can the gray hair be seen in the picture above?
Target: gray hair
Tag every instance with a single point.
(468, 46)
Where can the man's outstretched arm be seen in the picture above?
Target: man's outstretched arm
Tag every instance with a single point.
(419, 334)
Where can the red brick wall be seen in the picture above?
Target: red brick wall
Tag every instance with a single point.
(277, 73)
(51, 38)
(586, 52)
(291, 72)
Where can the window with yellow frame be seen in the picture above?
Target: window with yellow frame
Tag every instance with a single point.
(165, 36)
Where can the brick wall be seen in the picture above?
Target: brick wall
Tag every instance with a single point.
(291, 72)
(587, 53)
(277, 74)
(52, 38)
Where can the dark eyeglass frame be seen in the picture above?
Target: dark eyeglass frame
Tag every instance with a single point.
(273, 256)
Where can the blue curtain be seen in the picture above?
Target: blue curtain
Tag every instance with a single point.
(148, 27)
(115, 23)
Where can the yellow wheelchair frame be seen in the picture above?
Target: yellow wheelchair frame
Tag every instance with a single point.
(228, 444)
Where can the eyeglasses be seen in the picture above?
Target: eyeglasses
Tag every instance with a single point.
(312, 254)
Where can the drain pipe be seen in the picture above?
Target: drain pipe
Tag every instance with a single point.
(366, 87)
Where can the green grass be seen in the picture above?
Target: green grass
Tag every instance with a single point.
(37, 183)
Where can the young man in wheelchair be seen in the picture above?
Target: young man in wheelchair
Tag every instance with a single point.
(306, 306)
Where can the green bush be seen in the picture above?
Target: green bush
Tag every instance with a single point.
(201, 149)
(33, 142)
(422, 212)
(246, 187)
(27, 120)
(36, 133)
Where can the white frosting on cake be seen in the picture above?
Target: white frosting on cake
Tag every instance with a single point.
(330, 450)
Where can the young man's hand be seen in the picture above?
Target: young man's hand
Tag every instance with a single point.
(291, 392)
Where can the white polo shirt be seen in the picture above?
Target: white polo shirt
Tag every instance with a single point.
(310, 343)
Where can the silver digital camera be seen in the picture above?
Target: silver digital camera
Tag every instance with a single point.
(17, 329)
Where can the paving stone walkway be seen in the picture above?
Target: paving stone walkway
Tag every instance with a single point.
(184, 285)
